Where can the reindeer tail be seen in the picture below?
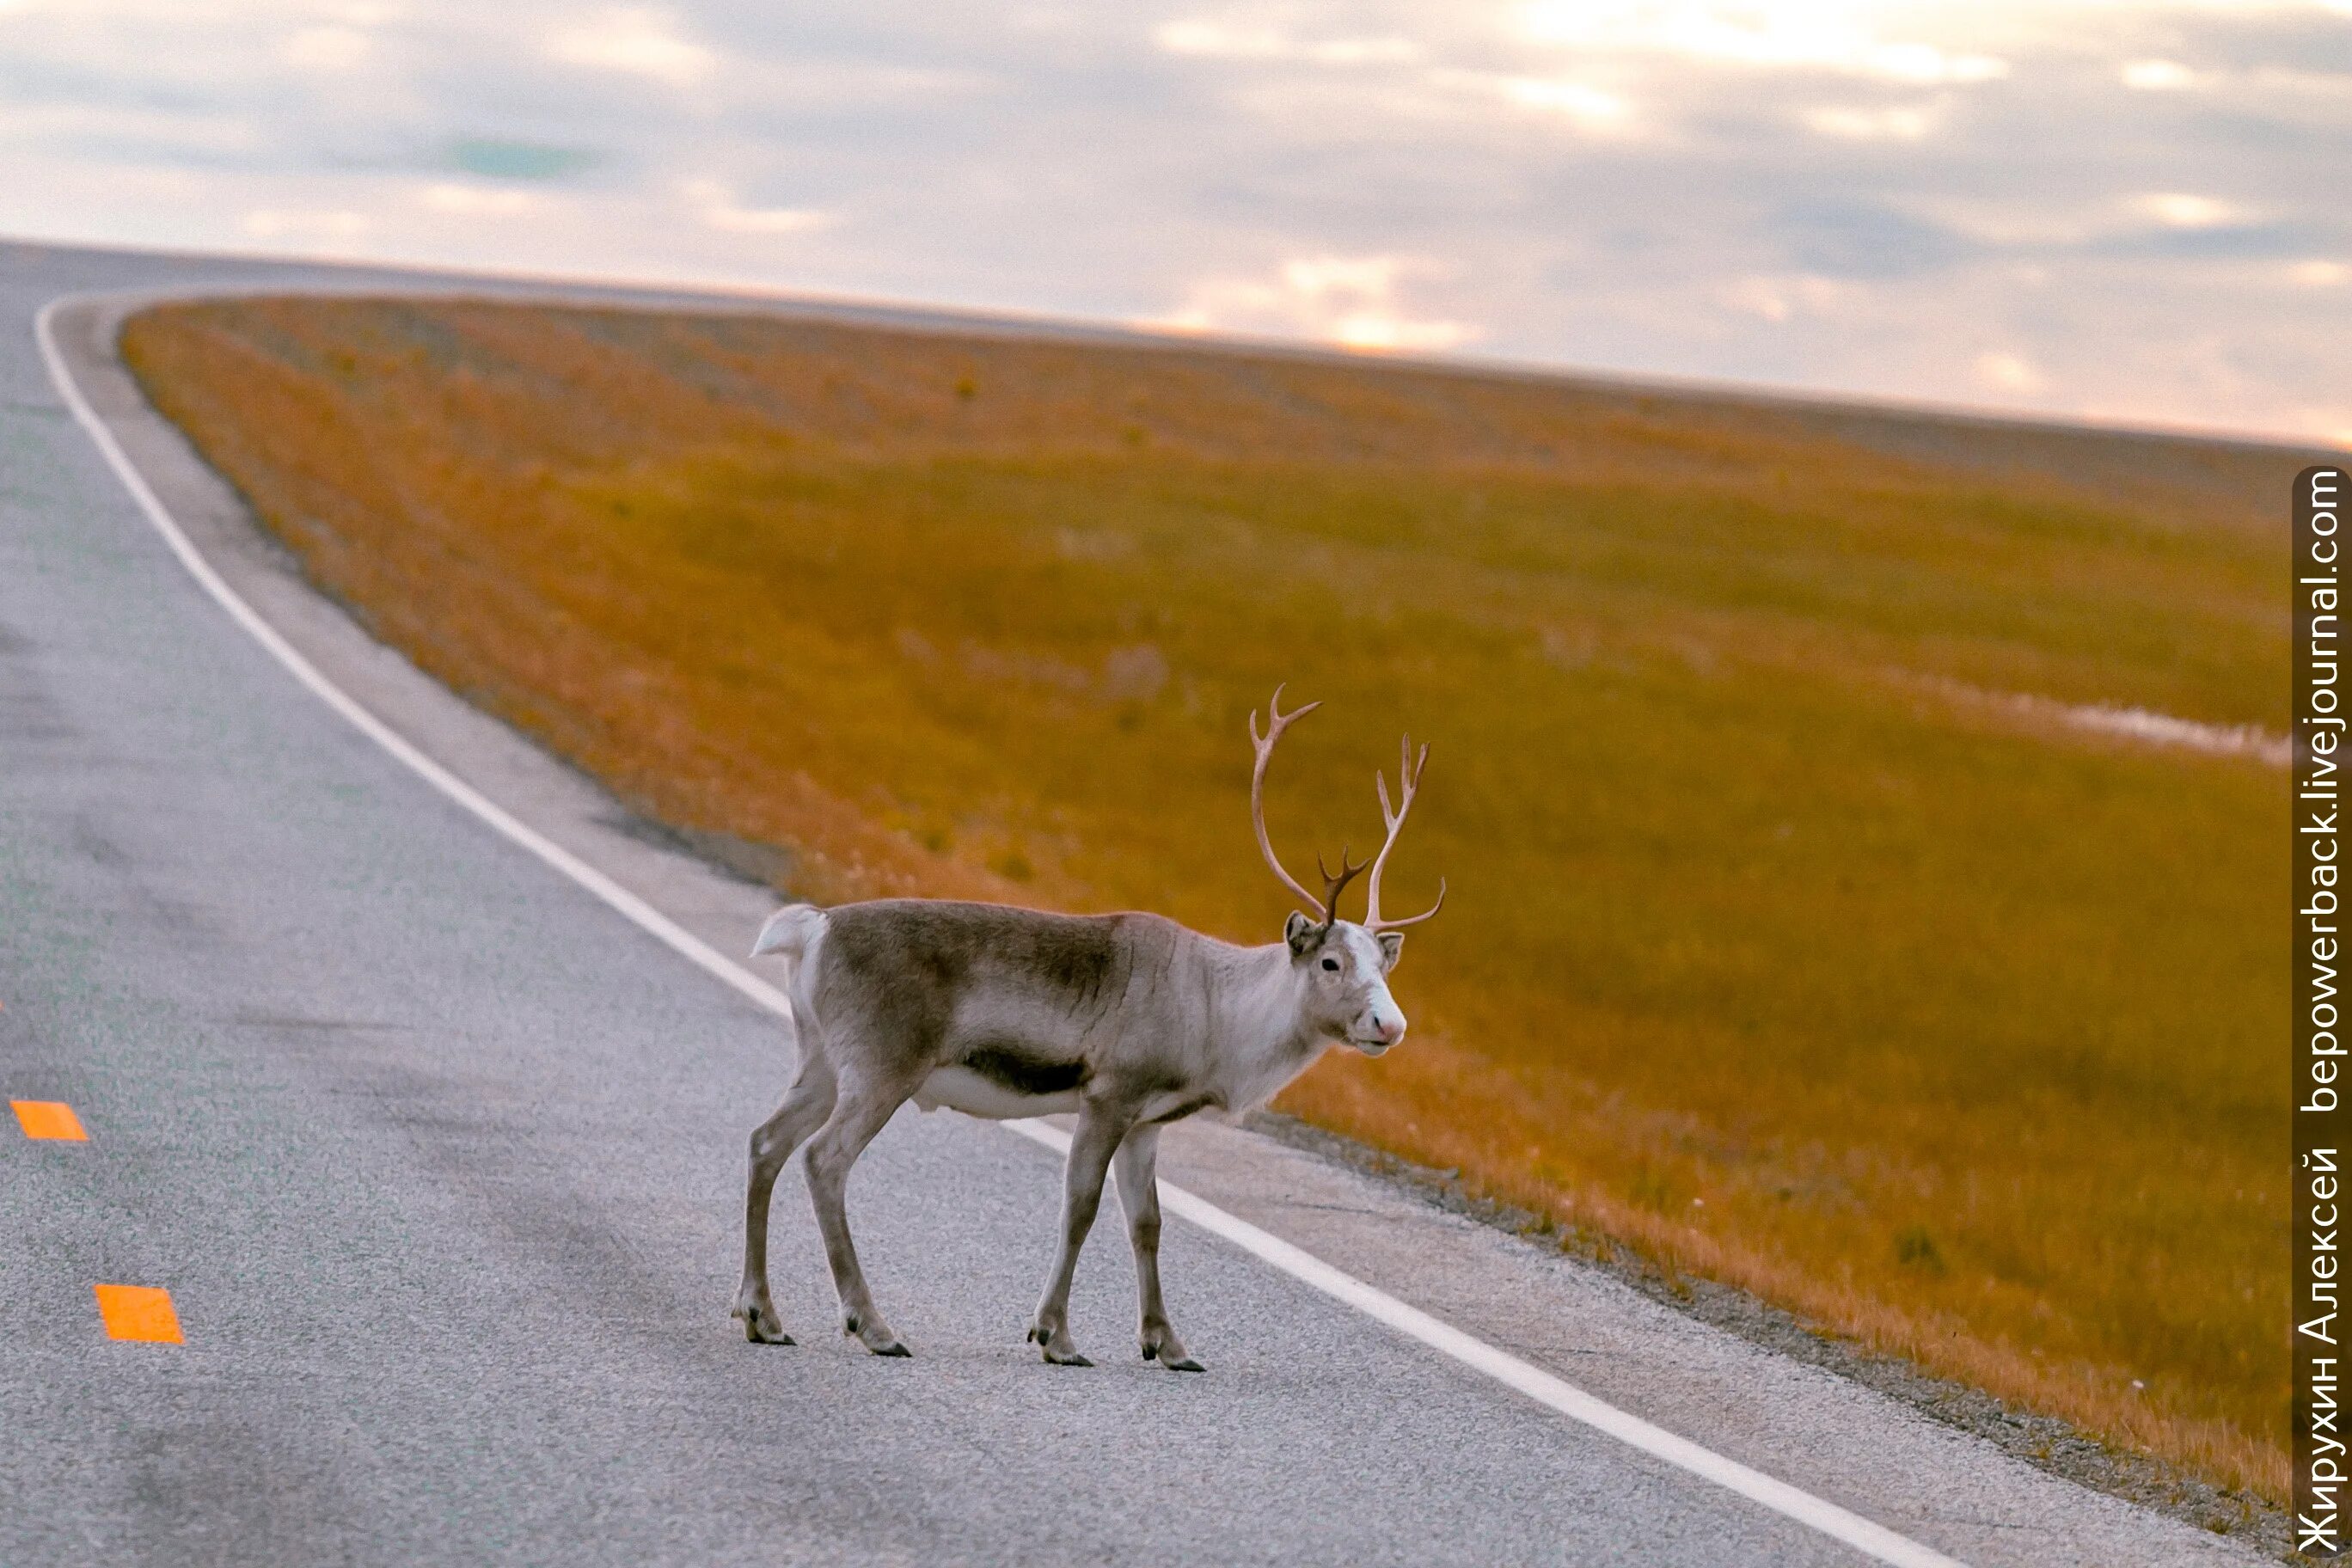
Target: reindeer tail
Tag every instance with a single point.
(789, 931)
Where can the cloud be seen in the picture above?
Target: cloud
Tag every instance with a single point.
(1893, 123)
(2144, 224)
(715, 202)
(1350, 302)
(327, 49)
(1209, 38)
(1778, 298)
(1841, 238)
(1758, 36)
(2008, 372)
(634, 41)
(2128, 199)
(2157, 75)
(2178, 209)
(1448, 93)
(313, 228)
(1590, 106)
(479, 201)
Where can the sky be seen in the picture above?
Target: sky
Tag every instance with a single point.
(2124, 212)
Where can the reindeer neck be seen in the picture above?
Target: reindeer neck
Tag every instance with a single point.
(1260, 1039)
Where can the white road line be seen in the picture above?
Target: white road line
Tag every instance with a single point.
(1537, 1384)
(677, 936)
(1875, 1541)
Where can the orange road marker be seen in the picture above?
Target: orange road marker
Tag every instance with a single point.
(48, 1119)
(138, 1313)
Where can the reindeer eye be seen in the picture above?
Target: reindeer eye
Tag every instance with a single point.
(1332, 965)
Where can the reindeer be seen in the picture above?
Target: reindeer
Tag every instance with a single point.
(1130, 1020)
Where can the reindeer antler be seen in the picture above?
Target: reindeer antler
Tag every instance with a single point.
(1409, 768)
(1276, 723)
(1333, 886)
(1408, 784)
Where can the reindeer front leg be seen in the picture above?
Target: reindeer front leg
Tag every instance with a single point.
(1100, 1128)
(1139, 1195)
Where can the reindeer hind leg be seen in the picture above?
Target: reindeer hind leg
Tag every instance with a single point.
(807, 1105)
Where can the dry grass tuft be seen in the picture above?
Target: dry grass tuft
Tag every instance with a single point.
(1959, 1035)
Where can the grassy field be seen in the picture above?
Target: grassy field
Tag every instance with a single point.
(1784, 945)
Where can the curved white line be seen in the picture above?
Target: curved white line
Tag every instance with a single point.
(1875, 1541)
(676, 936)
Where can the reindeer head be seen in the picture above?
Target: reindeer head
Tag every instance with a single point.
(1343, 966)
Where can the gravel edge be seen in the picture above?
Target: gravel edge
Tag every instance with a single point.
(2045, 1442)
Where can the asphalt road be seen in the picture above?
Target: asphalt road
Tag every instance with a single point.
(440, 1159)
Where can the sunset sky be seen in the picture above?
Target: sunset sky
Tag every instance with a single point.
(2124, 210)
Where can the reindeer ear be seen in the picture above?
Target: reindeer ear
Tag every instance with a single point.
(1300, 932)
(1391, 945)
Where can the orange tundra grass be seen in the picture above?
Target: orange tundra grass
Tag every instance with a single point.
(1785, 945)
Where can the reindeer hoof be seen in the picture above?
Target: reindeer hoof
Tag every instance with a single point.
(761, 1325)
(875, 1336)
(1168, 1350)
(1056, 1347)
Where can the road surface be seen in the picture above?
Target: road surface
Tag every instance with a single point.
(438, 1156)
